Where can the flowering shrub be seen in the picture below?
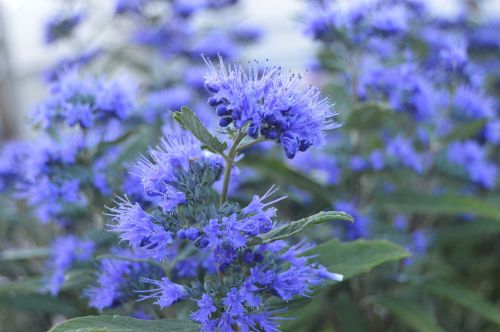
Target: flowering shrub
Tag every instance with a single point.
(127, 210)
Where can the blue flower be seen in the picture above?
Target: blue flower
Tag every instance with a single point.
(470, 155)
(492, 131)
(86, 102)
(65, 252)
(205, 309)
(162, 101)
(140, 229)
(115, 277)
(471, 103)
(358, 229)
(12, 154)
(266, 103)
(166, 294)
(402, 149)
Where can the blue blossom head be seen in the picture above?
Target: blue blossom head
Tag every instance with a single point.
(268, 104)
(359, 229)
(12, 155)
(223, 269)
(129, 6)
(86, 102)
(118, 277)
(472, 103)
(473, 159)
(65, 252)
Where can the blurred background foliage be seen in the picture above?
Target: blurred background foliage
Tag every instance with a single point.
(415, 163)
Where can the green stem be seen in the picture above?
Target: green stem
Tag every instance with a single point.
(250, 144)
(231, 155)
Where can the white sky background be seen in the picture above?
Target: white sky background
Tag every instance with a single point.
(283, 43)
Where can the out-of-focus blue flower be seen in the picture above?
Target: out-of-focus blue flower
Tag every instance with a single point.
(61, 26)
(404, 86)
(402, 149)
(12, 154)
(116, 276)
(470, 103)
(169, 38)
(186, 8)
(65, 65)
(65, 252)
(86, 102)
(159, 103)
(320, 165)
(377, 160)
(358, 229)
(470, 155)
(216, 43)
(401, 222)
(358, 163)
(129, 6)
(44, 185)
(272, 105)
(390, 21)
(492, 131)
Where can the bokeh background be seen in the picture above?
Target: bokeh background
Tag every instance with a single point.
(24, 55)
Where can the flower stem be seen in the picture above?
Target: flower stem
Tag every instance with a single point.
(231, 155)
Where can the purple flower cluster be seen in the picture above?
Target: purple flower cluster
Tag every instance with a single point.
(116, 278)
(472, 157)
(65, 252)
(265, 103)
(230, 276)
(354, 23)
(86, 102)
(11, 158)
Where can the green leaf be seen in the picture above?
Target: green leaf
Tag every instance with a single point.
(37, 302)
(465, 297)
(410, 314)
(123, 324)
(356, 257)
(445, 204)
(298, 226)
(25, 295)
(369, 116)
(468, 130)
(340, 95)
(189, 121)
(20, 254)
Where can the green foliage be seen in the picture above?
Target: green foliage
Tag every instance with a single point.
(23, 254)
(298, 226)
(369, 116)
(448, 204)
(466, 131)
(356, 257)
(123, 324)
(189, 121)
(409, 313)
(465, 297)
